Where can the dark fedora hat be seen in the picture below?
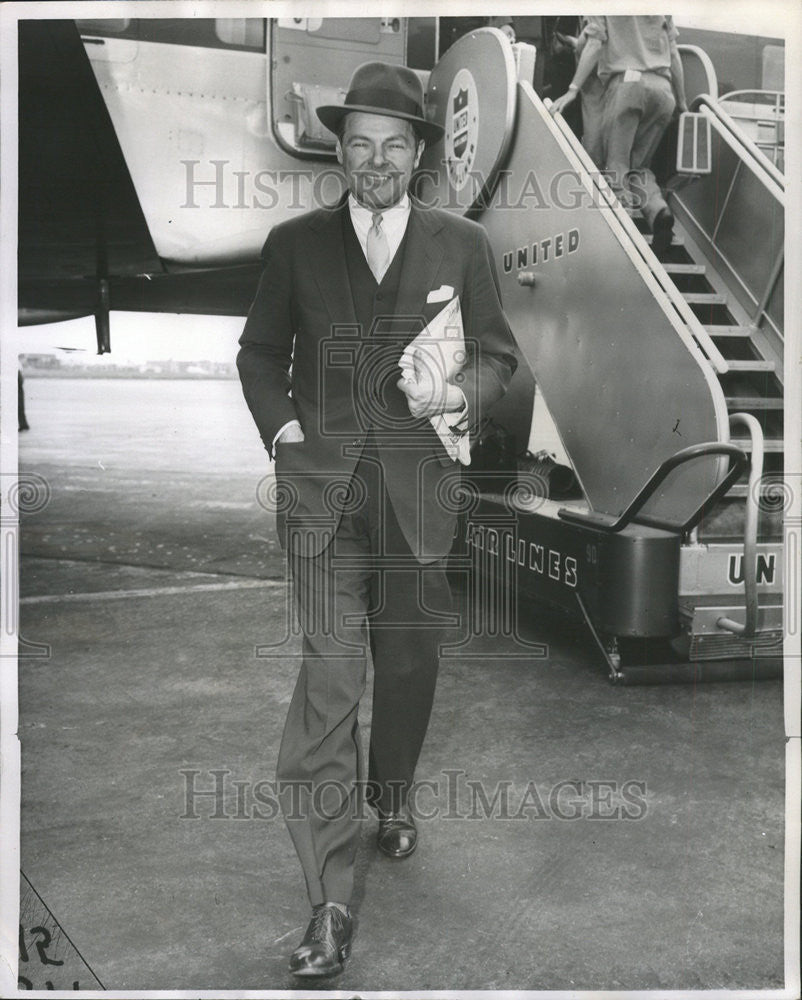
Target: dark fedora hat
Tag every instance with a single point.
(379, 88)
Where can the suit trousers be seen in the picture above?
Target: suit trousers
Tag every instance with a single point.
(364, 592)
(636, 114)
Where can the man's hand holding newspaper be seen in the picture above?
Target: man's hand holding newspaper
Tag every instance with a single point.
(429, 365)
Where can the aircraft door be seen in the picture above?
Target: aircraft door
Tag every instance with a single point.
(311, 62)
(109, 39)
(471, 93)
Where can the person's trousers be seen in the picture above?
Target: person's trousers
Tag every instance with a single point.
(636, 114)
(364, 591)
(593, 119)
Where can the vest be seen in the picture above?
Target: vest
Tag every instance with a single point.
(369, 297)
(377, 367)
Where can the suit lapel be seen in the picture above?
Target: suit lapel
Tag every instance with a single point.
(327, 257)
(422, 256)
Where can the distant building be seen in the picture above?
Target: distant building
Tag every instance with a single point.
(103, 367)
(39, 361)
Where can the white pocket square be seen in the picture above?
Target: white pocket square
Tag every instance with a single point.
(441, 294)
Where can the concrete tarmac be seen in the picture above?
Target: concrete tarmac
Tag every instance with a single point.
(587, 837)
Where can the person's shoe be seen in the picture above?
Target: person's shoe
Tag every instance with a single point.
(662, 232)
(398, 835)
(326, 944)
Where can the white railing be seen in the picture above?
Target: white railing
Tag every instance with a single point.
(760, 115)
(669, 290)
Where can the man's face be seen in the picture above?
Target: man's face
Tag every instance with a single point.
(378, 155)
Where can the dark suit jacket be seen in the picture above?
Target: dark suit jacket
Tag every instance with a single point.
(301, 338)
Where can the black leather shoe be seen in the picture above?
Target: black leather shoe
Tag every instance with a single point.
(662, 232)
(398, 835)
(326, 944)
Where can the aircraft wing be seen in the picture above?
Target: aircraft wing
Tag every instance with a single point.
(84, 245)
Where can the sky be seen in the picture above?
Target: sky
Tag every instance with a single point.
(740, 16)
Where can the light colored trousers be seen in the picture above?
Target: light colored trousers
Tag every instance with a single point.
(636, 114)
(593, 91)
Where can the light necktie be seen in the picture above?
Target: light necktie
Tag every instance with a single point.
(378, 249)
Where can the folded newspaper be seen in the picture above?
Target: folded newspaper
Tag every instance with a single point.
(441, 347)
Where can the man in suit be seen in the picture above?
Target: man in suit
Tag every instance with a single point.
(363, 508)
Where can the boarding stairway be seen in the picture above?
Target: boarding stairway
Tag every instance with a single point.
(726, 263)
(663, 378)
(724, 273)
(753, 379)
(727, 255)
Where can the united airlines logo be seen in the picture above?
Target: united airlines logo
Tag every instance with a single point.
(765, 569)
(462, 128)
(537, 558)
(459, 123)
(541, 251)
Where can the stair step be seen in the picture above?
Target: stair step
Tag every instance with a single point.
(738, 492)
(718, 330)
(676, 240)
(684, 268)
(755, 403)
(751, 366)
(705, 298)
(741, 490)
(770, 445)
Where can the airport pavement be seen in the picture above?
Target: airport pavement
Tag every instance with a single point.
(588, 837)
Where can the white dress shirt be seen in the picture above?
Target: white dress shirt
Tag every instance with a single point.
(394, 225)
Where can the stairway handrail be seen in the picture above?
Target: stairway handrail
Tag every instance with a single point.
(746, 150)
(749, 626)
(612, 525)
(758, 92)
(707, 65)
(691, 320)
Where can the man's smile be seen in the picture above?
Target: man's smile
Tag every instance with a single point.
(371, 178)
